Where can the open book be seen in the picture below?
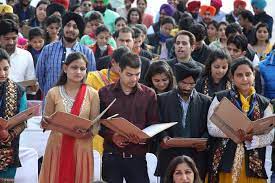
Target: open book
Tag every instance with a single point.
(27, 83)
(126, 128)
(230, 119)
(68, 124)
(186, 142)
(18, 118)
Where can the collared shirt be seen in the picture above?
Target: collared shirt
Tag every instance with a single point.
(139, 107)
(49, 64)
(185, 105)
(22, 66)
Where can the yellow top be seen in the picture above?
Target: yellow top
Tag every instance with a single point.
(99, 79)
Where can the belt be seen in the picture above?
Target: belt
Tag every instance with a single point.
(125, 155)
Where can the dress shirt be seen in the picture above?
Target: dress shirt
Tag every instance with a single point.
(139, 107)
(22, 66)
(49, 64)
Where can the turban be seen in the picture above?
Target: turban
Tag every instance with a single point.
(65, 3)
(4, 8)
(239, 3)
(216, 3)
(259, 4)
(184, 70)
(191, 6)
(106, 2)
(75, 17)
(168, 9)
(206, 8)
(55, 7)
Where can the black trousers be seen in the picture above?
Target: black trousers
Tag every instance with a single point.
(132, 169)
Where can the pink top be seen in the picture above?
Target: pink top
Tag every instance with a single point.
(148, 20)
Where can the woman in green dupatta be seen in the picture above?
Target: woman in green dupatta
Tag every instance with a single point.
(12, 101)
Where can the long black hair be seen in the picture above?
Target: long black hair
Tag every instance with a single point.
(214, 55)
(70, 58)
(159, 67)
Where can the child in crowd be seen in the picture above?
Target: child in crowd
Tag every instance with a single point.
(36, 43)
(137, 49)
(134, 17)
(101, 47)
(92, 21)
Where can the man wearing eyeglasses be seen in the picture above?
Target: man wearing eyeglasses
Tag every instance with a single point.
(86, 6)
(189, 108)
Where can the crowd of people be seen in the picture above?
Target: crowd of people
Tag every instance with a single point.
(173, 66)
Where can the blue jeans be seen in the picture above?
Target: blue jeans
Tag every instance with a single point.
(273, 177)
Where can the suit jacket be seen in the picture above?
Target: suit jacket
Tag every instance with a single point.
(171, 110)
(104, 63)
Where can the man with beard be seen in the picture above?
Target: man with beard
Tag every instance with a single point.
(193, 7)
(24, 10)
(109, 16)
(189, 108)
(49, 64)
(22, 67)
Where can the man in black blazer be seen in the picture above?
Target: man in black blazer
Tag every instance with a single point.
(189, 108)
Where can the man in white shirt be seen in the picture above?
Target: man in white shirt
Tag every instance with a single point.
(22, 66)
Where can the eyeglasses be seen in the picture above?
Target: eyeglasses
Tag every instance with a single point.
(87, 5)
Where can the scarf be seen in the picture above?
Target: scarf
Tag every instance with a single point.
(67, 160)
(163, 38)
(239, 154)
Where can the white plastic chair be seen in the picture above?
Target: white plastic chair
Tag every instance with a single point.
(97, 165)
(28, 173)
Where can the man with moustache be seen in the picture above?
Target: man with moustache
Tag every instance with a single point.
(49, 64)
(22, 67)
(189, 108)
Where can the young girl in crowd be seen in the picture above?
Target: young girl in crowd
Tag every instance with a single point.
(212, 32)
(12, 101)
(92, 21)
(134, 17)
(52, 28)
(120, 22)
(262, 46)
(182, 169)
(40, 14)
(216, 74)
(160, 77)
(101, 47)
(222, 39)
(243, 162)
(69, 159)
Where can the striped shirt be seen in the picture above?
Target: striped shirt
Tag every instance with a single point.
(49, 64)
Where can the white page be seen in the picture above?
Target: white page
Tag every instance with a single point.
(156, 128)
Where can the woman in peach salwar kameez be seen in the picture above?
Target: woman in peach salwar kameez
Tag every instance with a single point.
(68, 159)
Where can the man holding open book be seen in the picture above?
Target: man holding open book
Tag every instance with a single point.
(189, 108)
(125, 157)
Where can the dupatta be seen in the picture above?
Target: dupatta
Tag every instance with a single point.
(67, 161)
